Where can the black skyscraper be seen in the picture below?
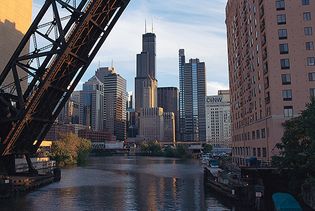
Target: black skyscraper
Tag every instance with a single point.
(145, 81)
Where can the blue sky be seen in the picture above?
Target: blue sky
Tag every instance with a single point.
(195, 25)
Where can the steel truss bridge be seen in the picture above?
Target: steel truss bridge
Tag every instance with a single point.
(64, 37)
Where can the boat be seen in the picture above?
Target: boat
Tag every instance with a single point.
(227, 184)
(284, 202)
(214, 163)
(204, 158)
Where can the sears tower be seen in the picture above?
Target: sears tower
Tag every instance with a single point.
(145, 82)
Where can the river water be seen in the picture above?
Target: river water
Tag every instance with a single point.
(127, 184)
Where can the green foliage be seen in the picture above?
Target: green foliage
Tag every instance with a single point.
(151, 148)
(70, 149)
(154, 149)
(298, 147)
(182, 151)
(169, 151)
(207, 148)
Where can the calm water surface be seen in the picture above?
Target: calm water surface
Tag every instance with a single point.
(124, 183)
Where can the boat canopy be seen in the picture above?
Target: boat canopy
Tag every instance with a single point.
(285, 201)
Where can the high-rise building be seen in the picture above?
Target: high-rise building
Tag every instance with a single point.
(169, 128)
(129, 103)
(181, 115)
(15, 19)
(192, 100)
(92, 104)
(168, 100)
(151, 124)
(115, 104)
(145, 81)
(132, 117)
(218, 119)
(271, 71)
(70, 113)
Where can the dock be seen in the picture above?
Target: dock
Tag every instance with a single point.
(23, 182)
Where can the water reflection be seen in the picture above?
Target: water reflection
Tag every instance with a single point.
(124, 183)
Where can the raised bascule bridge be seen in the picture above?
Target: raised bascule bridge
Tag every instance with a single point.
(64, 38)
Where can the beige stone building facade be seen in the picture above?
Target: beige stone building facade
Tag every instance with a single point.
(271, 71)
(15, 19)
(157, 125)
(218, 119)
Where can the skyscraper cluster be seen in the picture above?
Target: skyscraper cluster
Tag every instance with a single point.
(163, 114)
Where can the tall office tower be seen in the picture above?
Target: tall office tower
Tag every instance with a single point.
(92, 104)
(129, 103)
(218, 119)
(181, 115)
(192, 100)
(169, 128)
(115, 105)
(71, 111)
(168, 100)
(145, 81)
(15, 19)
(271, 70)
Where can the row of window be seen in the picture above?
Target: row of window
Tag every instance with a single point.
(286, 78)
(287, 94)
(282, 18)
(245, 151)
(285, 63)
(283, 33)
(255, 134)
(280, 4)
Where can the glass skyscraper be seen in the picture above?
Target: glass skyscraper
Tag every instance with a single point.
(192, 123)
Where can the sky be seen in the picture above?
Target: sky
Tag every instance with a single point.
(198, 26)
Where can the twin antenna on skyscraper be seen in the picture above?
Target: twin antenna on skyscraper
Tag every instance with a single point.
(145, 25)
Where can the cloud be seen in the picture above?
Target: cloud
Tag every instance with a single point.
(197, 26)
(213, 87)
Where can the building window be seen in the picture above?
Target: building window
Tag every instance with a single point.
(311, 76)
(264, 152)
(283, 34)
(309, 46)
(288, 111)
(285, 64)
(311, 61)
(280, 5)
(281, 19)
(284, 48)
(263, 133)
(259, 152)
(312, 92)
(258, 134)
(307, 16)
(287, 95)
(254, 151)
(305, 2)
(286, 79)
(253, 135)
(308, 31)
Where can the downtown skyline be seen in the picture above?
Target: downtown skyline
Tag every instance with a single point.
(203, 36)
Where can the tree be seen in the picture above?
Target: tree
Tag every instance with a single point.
(207, 148)
(70, 149)
(151, 148)
(297, 149)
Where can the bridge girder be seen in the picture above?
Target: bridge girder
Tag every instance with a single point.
(65, 37)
